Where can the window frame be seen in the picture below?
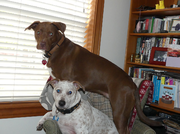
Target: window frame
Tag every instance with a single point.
(34, 108)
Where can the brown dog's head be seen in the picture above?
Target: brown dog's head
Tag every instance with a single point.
(47, 33)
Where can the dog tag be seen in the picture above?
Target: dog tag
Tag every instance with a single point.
(44, 62)
(56, 118)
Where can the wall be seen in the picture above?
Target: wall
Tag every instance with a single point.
(113, 43)
(20, 125)
(114, 31)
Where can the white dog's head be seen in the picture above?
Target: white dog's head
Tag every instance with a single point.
(66, 93)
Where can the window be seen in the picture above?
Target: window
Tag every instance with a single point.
(21, 72)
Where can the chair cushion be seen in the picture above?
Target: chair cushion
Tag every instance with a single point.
(103, 104)
(100, 102)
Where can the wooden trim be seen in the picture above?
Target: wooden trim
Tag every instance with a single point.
(21, 109)
(98, 26)
(94, 28)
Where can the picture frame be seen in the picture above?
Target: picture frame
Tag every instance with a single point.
(175, 26)
(158, 56)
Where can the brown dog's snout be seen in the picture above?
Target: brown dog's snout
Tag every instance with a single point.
(62, 103)
(43, 45)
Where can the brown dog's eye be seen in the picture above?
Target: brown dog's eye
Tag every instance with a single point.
(38, 32)
(50, 34)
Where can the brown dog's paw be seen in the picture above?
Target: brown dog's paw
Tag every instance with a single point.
(39, 127)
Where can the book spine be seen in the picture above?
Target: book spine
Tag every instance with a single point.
(138, 45)
(147, 24)
(162, 25)
(164, 41)
(158, 26)
(167, 42)
(163, 80)
(154, 82)
(139, 73)
(158, 86)
(161, 42)
(152, 24)
(174, 41)
(149, 28)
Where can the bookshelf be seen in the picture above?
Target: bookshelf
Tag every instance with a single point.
(132, 38)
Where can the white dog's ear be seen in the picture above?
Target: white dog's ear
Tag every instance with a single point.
(53, 82)
(78, 85)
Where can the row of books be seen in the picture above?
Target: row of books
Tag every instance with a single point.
(166, 85)
(145, 44)
(153, 24)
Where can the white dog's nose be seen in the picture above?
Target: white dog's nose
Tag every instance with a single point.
(62, 103)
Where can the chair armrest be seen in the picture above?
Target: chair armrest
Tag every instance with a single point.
(51, 127)
(141, 128)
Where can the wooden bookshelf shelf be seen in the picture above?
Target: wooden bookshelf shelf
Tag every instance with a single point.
(159, 12)
(132, 38)
(156, 106)
(156, 34)
(154, 66)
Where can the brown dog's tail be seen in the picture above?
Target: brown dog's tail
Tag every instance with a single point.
(140, 113)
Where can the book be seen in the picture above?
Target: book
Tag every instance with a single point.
(146, 24)
(148, 75)
(167, 42)
(131, 69)
(167, 96)
(154, 82)
(174, 41)
(157, 25)
(141, 71)
(158, 86)
(163, 42)
(177, 83)
(136, 72)
(178, 94)
(149, 28)
(160, 42)
(158, 30)
(162, 25)
(138, 45)
(153, 40)
(163, 80)
(152, 24)
(142, 45)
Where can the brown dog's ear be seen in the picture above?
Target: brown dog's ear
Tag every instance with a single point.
(60, 26)
(53, 82)
(33, 25)
(78, 85)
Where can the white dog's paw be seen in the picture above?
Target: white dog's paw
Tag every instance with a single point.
(39, 127)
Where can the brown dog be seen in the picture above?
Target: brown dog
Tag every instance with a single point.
(72, 62)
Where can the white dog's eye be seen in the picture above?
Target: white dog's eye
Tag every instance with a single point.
(58, 91)
(70, 92)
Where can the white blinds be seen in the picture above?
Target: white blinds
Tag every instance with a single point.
(22, 76)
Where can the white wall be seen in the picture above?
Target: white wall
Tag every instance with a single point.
(20, 125)
(114, 30)
(113, 43)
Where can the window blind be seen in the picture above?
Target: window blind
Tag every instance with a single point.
(22, 76)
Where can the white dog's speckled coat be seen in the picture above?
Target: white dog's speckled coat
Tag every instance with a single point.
(83, 120)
